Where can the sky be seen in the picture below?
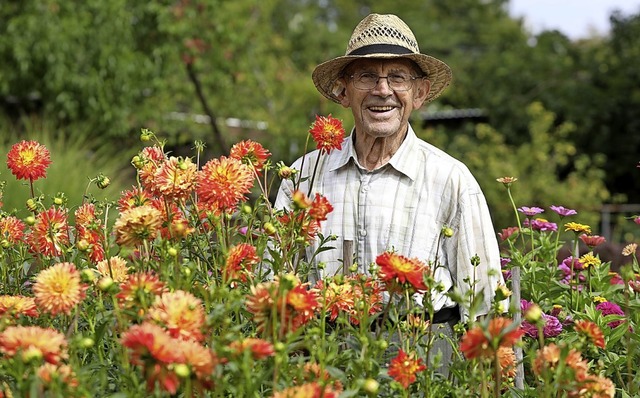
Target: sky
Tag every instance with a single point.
(575, 18)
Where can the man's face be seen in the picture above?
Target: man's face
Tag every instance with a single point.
(382, 111)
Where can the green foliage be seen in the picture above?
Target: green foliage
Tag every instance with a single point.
(548, 167)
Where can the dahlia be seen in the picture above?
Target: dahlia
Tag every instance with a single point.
(403, 368)
(307, 390)
(223, 183)
(175, 179)
(11, 229)
(478, 342)
(259, 348)
(181, 313)
(240, 261)
(507, 361)
(49, 374)
(115, 268)
(251, 153)
(58, 288)
(592, 331)
(328, 133)
(151, 341)
(137, 224)
(150, 159)
(33, 341)
(18, 305)
(50, 233)
(139, 290)
(133, 198)
(320, 207)
(551, 357)
(28, 160)
(398, 271)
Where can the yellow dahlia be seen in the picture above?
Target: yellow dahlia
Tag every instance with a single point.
(18, 305)
(33, 342)
(137, 225)
(115, 268)
(58, 288)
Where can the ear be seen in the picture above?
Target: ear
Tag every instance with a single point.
(339, 91)
(422, 88)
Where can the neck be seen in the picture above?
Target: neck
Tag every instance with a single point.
(375, 152)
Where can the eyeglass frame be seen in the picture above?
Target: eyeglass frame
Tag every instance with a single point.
(355, 80)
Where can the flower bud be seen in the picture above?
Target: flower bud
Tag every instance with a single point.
(502, 292)
(86, 342)
(137, 162)
(172, 252)
(87, 275)
(533, 313)
(32, 205)
(447, 232)
(371, 387)
(269, 228)
(105, 283)
(182, 370)
(102, 181)
(83, 245)
(285, 172)
(30, 220)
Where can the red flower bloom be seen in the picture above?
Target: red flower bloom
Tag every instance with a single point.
(18, 305)
(89, 236)
(175, 178)
(50, 233)
(133, 198)
(11, 229)
(33, 341)
(259, 348)
(224, 182)
(181, 313)
(592, 240)
(251, 153)
(139, 291)
(148, 340)
(482, 341)
(328, 133)
(398, 272)
(320, 207)
(28, 160)
(240, 260)
(592, 331)
(403, 368)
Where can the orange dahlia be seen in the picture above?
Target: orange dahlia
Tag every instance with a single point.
(140, 290)
(347, 296)
(308, 390)
(137, 225)
(148, 162)
(595, 387)
(18, 305)
(50, 233)
(58, 288)
(592, 331)
(49, 374)
(181, 313)
(150, 341)
(304, 303)
(133, 198)
(313, 372)
(240, 261)
(200, 359)
(259, 348)
(175, 179)
(28, 160)
(115, 268)
(33, 342)
(507, 361)
(223, 183)
(304, 226)
(11, 230)
(89, 235)
(399, 272)
(328, 133)
(551, 357)
(482, 341)
(251, 153)
(320, 208)
(403, 368)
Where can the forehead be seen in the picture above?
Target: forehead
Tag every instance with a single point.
(396, 64)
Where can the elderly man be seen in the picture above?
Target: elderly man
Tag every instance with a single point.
(391, 190)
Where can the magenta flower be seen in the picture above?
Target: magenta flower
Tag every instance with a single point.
(563, 211)
(540, 224)
(506, 273)
(552, 326)
(530, 211)
(570, 262)
(637, 220)
(609, 308)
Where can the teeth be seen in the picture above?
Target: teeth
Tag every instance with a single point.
(381, 108)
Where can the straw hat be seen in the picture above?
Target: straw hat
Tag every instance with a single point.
(381, 36)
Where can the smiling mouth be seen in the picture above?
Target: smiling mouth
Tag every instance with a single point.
(381, 108)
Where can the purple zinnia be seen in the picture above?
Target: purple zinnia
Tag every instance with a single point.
(552, 326)
(540, 224)
(563, 211)
(530, 211)
(609, 308)
(506, 273)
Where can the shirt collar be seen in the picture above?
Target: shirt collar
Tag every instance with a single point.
(403, 160)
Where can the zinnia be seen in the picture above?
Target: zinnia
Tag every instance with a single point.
(28, 160)
(58, 288)
(609, 308)
(33, 342)
(328, 133)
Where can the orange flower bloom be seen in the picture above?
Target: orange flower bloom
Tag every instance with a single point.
(240, 260)
(137, 224)
(11, 229)
(200, 359)
(300, 200)
(133, 198)
(328, 133)
(33, 342)
(250, 153)
(58, 288)
(592, 331)
(175, 178)
(398, 272)
(304, 303)
(403, 368)
(305, 227)
(499, 333)
(50, 233)
(18, 305)
(312, 372)
(139, 290)
(308, 390)
(88, 232)
(28, 160)
(181, 313)
(551, 356)
(507, 360)
(259, 348)
(224, 182)
(149, 341)
(150, 159)
(342, 297)
(115, 268)
(595, 387)
(49, 373)
(320, 208)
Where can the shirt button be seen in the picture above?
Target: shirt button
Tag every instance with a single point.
(365, 188)
(363, 232)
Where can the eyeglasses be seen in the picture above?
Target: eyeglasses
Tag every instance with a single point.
(396, 81)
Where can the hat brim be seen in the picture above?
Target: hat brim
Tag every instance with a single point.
(327, 73)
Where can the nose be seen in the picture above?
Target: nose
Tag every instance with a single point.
(382, 88)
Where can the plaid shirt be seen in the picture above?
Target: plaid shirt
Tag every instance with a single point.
(402, 206)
